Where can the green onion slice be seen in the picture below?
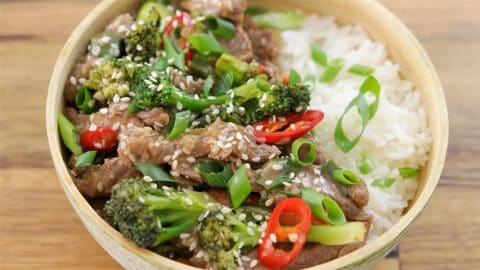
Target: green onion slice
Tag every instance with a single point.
(69, 135)
(332, 70)
(324, 207)
(294, 77)
(132, 108)
(84, 100)
(223, 84)
(220, 27)
(178, 124)
(238, 187)
(318, 54)
(408, 172)
(155, 172)
(85, 159)
(280, 20)
(215, 173)
(345, 177)
(334, 235)
(361, 70)
(301, 158)
(365, 165)
(383, 182)
(205, 43)
(207, 86)
(366, 111)
(174, 52)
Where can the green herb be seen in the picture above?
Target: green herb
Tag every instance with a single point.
(280, 20)
(201, 66)
(407, 172)
(318, 54)
(365, 165)
(238, 187)
(69, 135)
(224, 83)
(383, 182)
(345, 177)
(205, 43)
(84, 100)
(215, 173)
(178, 124)
(361, 70)
(366, 111)
(294, 77)
(207, 86)
(295, 154)
(174, 52)
(332, 70)
(145, 12)
(155, 172)
(85, 159)
(336, 235)
(220, 27)
(324, 207)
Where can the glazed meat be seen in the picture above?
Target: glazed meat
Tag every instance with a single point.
(263, 45)
(240, 46)
(187, 83)
(230, 9)
(156, 118)
(79, 75)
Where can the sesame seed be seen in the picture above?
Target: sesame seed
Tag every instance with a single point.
(159, 224)
(199, 254)
(258, 217)
(244, 156)
(254, 262)
(299, 109)
(219, 217)
(188, 201)
(269, 202)
(292, 175)
(226, 210)
(259, 128)
(139, 47)
(250, 231)
(245, 258)
(273, 237)
(92, 127)
(191, 159)
(167, 158)
(103, 110)
(277, 167)
(238, 135)
(268, 182)
(174, 164)
(171, 61)
(242, 216)
(73, 80)
(193, 245)
(141, 199)
(287, 184)
(179, 106)
(116, 98)
(196, 97)
(260, 241)
(203, 216)
(293, 237)
(147, 178)
(256, 159)
(301, 174)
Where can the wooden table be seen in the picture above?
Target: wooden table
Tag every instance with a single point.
(39, 229)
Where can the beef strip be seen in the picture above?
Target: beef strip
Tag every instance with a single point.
(230, 9)
(219, 141)
(239, 46)
(187, 83)
(264, 47)
(98, 180)
(156, 118)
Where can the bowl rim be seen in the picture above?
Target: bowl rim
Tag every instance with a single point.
(367, 253)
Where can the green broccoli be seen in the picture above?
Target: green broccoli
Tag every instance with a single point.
(224, 236)
(109, 78)
(106, 45)
(143, 41)
(300, 94)
(154, 88)
(150, 216)
(241, 71)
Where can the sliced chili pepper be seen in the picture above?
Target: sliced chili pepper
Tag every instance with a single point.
(272, 257)
(184, 20)
(101, 139)
(280, 130)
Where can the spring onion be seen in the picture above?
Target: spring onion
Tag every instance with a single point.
(318, 54)
(174, 52)
(224, 83)
(407, 172)
(205, 43)
(281, 20)
(220, 27)
(366, 111)
(383, 182)
(365, 165)
(85, 159)
(294, 77)
(207, 86)
(154, 172)
(276, 172)
(324, 207)
(345, 177)
(329, 166)
(361, 70)
(334, 235)
(84, 100)
(296, 153)
(332, 70)
(144, 12)
(178, 124)
(215, 173)
(201, 66)
(69, 135)
(238, 187)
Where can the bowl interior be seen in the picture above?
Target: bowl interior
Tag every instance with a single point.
(403, 48)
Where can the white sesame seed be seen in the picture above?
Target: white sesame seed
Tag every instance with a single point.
(179, 106)
(254, 262)
(171, 61)
(226, 210)
(147, 178)
(272, 155)
(203, 216)
(103, 110)
(174, 164)
(191, 159)
(260, 241)
(258, 217)
(159, 224)
(139, 47)
(244, 156)
(299, 109)
(293, 237)
(250, 231)
(317, 171)
(292, 175)
(193, 245)
(141, 199)
(82, 80)
(73, 80)
(167, 158)
(287, 184)
(269, 202)
(242, 216)
(273, 237)
(256, 159)
(238, 135)
(199, 254)
(245, 258)
(259, 128)
(184, 235)
(219, 217)
(277, 167)
(188, 201)
(229, 109)
(92, 127)
(268, 182)
(116, 98)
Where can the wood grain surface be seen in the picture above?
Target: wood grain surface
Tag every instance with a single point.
(39, 230)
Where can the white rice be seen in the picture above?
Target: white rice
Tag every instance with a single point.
(397, 136)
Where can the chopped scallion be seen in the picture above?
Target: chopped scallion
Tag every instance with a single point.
(408, 172)
(365, 165)
(280, 20)
(85, 159)
(335, 235)
(69, 135)
(207, 86)
(205, 43)
(238, 187)
(300, 156)
(215, 173)
(345, 177)
(174, 52)
(324, 207)
(220, 27)
(383, 182)
(332, 70)
(294, 77)
(155, 172)
(84, 100)
(318, 54)
(178, 124)
(361, 70)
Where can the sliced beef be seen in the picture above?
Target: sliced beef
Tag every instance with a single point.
(239, 46)
(156, 118)
(187, 83)
(359, 194)
(79, 74)
(219, 141)
(263, 44)
(230, 9)
(98, 180)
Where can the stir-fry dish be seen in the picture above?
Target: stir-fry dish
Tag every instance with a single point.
(202, 148)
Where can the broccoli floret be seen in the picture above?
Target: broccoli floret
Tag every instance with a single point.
(106, 45)
(300, 96)
(109, 78)
(143, 41)
(224, 236)
(150, 216)
(154, 88)
(241, 71)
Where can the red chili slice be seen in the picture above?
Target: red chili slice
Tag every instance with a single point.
(272, 257)
(280, 130)
(184, 20)
(100, 139)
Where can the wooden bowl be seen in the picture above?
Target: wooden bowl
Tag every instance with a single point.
(382, 25)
